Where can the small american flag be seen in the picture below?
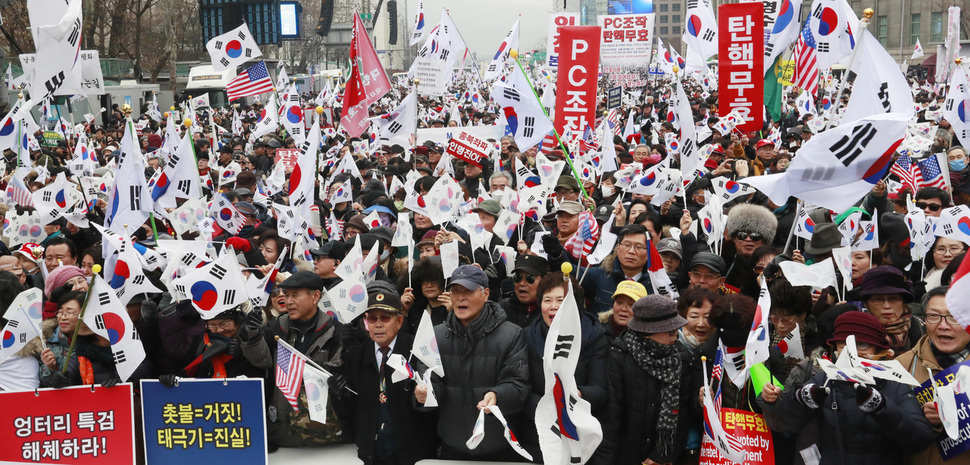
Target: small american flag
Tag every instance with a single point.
(588, 142)
(929, 173)
(548, 143)
(806, 61)
(581, 243)
(18, 194)
(716, 374)
(613, 119)
(289, 373)
(255, 80)
(904, 169)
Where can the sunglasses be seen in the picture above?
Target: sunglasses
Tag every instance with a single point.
(519, 276)
(934, 207)
(742, 235)
(384, 317)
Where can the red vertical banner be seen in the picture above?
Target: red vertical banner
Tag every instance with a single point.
(579, 54)
(741, 33)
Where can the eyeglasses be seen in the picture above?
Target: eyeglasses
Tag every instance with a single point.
(519, 276)
(68, 314)
(785, 320)
(936, 318)
(637, 247)
(384, 317)
(221, 325)
(742, 235)
(952, 250)
(934, 207)
(704, 276)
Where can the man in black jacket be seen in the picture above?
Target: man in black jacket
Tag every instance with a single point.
(388, 429)
(485, 364)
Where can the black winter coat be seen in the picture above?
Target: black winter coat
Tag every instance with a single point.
(848, 435)
(590, 373)
(413, 430)
(488, 355)
(629, 432)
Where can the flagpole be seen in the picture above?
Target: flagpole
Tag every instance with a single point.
(309, 361)
(791, 233)
(863, 25)
(515, 57)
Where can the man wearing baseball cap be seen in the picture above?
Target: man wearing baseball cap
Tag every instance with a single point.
(765, 152)
(485, 363)
(388, 430)
(314, 334)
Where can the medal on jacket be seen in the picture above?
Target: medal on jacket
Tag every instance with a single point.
(382, 398)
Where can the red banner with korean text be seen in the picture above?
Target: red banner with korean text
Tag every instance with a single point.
(579, 51)
(741, 62)
(77, 425)
(750, 431)
(469, 148)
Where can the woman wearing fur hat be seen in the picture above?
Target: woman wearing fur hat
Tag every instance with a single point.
(748, 227)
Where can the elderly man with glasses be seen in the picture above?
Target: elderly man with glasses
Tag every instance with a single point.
(521, 307)
(942, 348)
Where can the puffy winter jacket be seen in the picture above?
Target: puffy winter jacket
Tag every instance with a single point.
(848, 435)
(488, 355)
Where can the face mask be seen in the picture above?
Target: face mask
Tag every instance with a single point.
(385, 254)
(607, 191)
(958, 165)
(498, 195)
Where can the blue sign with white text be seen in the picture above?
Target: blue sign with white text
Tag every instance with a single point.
(204, 421)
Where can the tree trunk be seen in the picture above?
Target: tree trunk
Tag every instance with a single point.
(117, 26)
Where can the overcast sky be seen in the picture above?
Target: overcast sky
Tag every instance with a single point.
(484, 23)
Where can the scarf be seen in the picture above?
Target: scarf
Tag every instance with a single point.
(661, 362)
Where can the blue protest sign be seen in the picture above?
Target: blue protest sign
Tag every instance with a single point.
(204, 421)
(949, 448)
(614, 98)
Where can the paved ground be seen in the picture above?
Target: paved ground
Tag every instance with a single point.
(341, 455)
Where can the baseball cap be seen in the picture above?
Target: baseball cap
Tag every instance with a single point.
(631, 289)
(570, 207)
(469, 277)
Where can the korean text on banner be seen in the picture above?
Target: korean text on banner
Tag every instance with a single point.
(469, 148)
(557, 20)
(741, 62)
(626, 39)
(949, 448)
(76, 425)
(750, 430)
(204, 421)
(576, 86)
(287, 157)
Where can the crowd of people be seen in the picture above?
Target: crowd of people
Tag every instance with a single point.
(640, 366)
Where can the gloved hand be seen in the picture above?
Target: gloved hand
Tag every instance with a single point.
(149, 312)
(233, 349)
(550, 244)
(491, 271)
(59, 380)
(168, 310)
(811, 395)
(168, 380)
(239, 244)
(350, 335)
(870, 400)
(254, 325)
(111, 382)
(337, 385)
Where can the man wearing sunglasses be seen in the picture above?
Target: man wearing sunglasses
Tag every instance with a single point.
(388, 429)
(748, 227)
(522, 305)
(932, 200)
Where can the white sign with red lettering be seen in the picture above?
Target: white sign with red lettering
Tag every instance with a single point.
(557, 20)
(469, 148)
(626, 39)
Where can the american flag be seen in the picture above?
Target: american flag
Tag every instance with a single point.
(548, 143)
(613, 119)
(255, 80)
(289, 373)
(806, 61)
(18, 194)
(929, 173)
(905, 170)
(581, 243)
(588, 142)
(716, 374)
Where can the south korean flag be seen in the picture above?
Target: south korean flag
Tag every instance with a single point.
(232, 49)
